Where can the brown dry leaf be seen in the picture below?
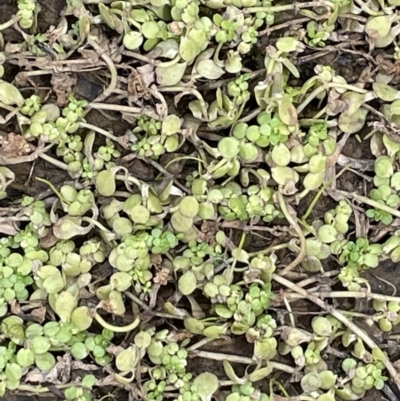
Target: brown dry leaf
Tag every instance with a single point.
(156, 260)
(14, 145)
(61, 372)
(90, 56)
(85, 294)
(8, 229)
(138, 83)
(5, 159)
(162, 276)
(79, 365)
(109, 381)
(39, 314)
(35, 376)
(15, 307)
(147, 74)
(335, 104)
(115, 349)
(48, 241)
(62, 84)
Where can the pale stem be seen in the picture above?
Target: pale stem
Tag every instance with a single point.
(99, 130)
(231, 268)
(148, 310)
(240, 359)
(299, 232)
(117, 329)
(200, 343)
(346, 294)
(368, 10)
(128, 178)
(250, 116)
(339, 316)
(288, 7)
(9, 23)
(313, 279)
(111, 67)
(325, 87)
(54, 162)
(39, 389)
(289, 309)
(370, 202)
(97, 224)
(123, 109)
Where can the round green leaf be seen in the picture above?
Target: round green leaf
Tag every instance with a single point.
(45, 361)
(208, 69)
(39, 345)
(9, 94)
(189, 206)
(139, 214)
(127, 359)
(207, 384)
(228, 147)
(25, 358)
(181, 223)
(105, 183)
(79, 351)
(187, 283)
(82, 318)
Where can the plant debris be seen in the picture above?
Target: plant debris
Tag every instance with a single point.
(199, 200)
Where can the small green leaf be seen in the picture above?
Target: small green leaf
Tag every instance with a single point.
(187, 283)
(13, 372)
(127, 359)
(139, 214)
(10, 95)
(228, 147)
(82, 318)
(208, 69)
(133, 40)
(170, 76)
(207, 384)
(385, 92)
(189, 206)
(64, 306)
(260, 374)
(45, 361)
(25, 358)
(378, 27)
(105, 183)
(39, 345)
(287, 112)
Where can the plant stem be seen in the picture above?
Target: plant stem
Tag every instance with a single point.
(54, 162)
(99, 130)
(346, 294)
(9, 23)
(339, 316)
(313, 279)
(299, 232)
(240, 359)
(200, 343)
(322, 88)
(111, 67)
(231, 269)
(288, 7)
(39, 389)
(270, 249)
(124, 109)
(128, 178)
(117, 329)
(370, 202)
